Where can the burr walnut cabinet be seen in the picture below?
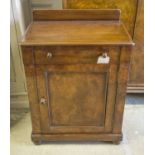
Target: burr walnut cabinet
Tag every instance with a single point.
(76, 65)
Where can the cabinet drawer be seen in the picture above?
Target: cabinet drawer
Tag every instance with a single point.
(68, 55)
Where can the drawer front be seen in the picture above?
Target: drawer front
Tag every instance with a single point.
(68, 55)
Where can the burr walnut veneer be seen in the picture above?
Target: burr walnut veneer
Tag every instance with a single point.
(76, 65)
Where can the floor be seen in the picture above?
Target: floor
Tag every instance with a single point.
(132, 143)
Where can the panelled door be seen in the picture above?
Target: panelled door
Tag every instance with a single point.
(72, 98)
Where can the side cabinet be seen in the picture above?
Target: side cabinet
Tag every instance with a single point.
(71, 93)
(76, 75)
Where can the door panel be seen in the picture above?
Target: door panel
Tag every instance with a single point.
(75, 95)
(70, 97)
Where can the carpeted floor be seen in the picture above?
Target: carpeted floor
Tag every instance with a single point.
(132, 143)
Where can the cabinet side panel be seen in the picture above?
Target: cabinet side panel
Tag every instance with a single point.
(111, 94)
(33, 100)
(32, 93)
(121, 88)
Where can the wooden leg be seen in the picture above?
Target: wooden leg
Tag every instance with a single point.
(36, 139)
(116, 142)
(37, 142)
(119, 140)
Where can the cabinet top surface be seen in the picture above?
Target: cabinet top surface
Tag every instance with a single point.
(77, 32)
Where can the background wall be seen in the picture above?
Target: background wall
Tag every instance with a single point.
(56, 4)
(20, 17)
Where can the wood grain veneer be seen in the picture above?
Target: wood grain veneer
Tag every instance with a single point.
(72, 97)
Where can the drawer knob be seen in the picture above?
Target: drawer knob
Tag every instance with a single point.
(49, 55)
(43, 101)
(103, 59)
